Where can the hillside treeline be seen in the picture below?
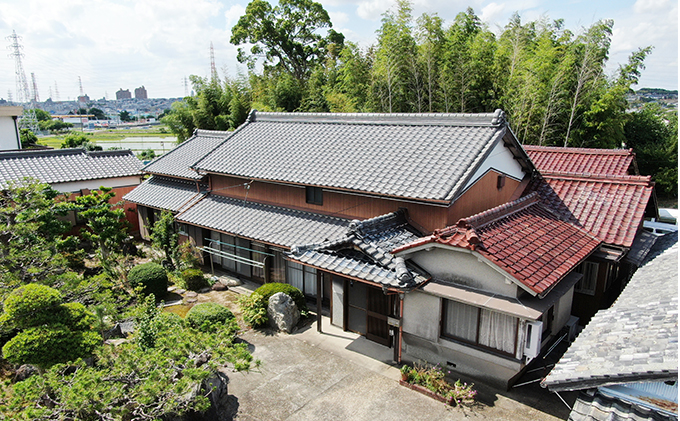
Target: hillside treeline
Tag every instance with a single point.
(550, 81)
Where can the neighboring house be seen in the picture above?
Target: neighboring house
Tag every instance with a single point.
(625, 362)
(9, 128)
(501, 289)
(592, 189)
(76, 172)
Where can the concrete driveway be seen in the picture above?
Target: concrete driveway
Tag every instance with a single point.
(338, 375)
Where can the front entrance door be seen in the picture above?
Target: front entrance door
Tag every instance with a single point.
(367, 310)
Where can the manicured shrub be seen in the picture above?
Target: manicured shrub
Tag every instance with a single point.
(194, 279)
(45, 346)
(150, 277)
(203, 316)
(254, 308)
(31, 305)
(267, 290)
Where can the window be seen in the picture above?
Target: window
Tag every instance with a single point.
(303, 278)
(479, 326)
(314, 195)
(588, 283)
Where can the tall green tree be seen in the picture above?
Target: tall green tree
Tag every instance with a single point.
(165, 237)
(287, 35)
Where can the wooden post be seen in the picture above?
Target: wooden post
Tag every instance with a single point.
(319, 291)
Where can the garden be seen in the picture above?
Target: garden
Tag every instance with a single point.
(65, 300)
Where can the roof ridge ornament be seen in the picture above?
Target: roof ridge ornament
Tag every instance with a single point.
(498, 117)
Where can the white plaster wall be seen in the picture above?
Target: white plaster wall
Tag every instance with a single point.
(463, 268)
(76, 186)
(8, 134)
(421, 315)
(501, 160)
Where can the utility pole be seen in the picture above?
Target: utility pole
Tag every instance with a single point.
(28, 120)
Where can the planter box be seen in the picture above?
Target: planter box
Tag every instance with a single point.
(422, 389)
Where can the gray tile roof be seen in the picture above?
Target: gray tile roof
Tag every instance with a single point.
(66, 165)
(165, 193)
(641, 247)
(634, 340)
(270, 224)
(599, 407)
(417, 156)
(177, 162)
(365, 252)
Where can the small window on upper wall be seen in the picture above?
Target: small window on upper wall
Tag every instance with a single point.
(314, 195)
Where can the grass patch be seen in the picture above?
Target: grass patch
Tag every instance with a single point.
(110, 135)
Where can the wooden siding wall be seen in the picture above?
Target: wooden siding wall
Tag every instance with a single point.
(481, 196)
(335, 203)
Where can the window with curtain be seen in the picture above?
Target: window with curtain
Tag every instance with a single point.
(303, 278)
(479, 326)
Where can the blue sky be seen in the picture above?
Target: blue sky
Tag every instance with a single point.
(114, 44)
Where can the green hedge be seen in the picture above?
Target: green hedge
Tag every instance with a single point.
(150, 277)
(267, 290)
(194, 280)
(203, 316)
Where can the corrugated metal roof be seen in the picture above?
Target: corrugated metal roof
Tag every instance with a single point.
(165, 193)
(418, 156)
(610, 208)
(271, 224)
(549, 159)
(177, 162)
(635, 340)
(67, 165)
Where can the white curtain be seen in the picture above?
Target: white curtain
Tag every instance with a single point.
(461, 321)
(295, 275)
(497, 331)
(310, 281)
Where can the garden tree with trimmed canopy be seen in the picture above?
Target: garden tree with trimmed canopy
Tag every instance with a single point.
(287, 35)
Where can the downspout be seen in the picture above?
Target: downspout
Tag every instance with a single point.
(401, 323)
(16, 131)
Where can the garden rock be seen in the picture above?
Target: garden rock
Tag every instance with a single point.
(215, 388)
(283, 312)
(24, 372)
(219, 286)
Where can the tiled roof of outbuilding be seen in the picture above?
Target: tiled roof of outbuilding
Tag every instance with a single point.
(177, 162)
(610, 208)
(67, 165)
(597, 406)
(270, 224)
(549, 159)
(634, 340)
(418, 156)
(365, 252)
(165, 193)
(524, 238)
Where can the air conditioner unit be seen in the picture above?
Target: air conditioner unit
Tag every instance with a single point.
(532, 343)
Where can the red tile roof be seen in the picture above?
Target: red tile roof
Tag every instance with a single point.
(610, 208)
(549, 159)
(524, 238)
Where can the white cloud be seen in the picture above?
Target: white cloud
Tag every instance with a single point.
(338, 18)
(233, 14)
(492, 12)
(373, 9)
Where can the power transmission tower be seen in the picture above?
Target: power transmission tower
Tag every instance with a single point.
(80, 84)
(186, 87)
(213, 70)
(35, 97)
(28, 120)
(56, 91)
(49, 92)
(9, 95)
